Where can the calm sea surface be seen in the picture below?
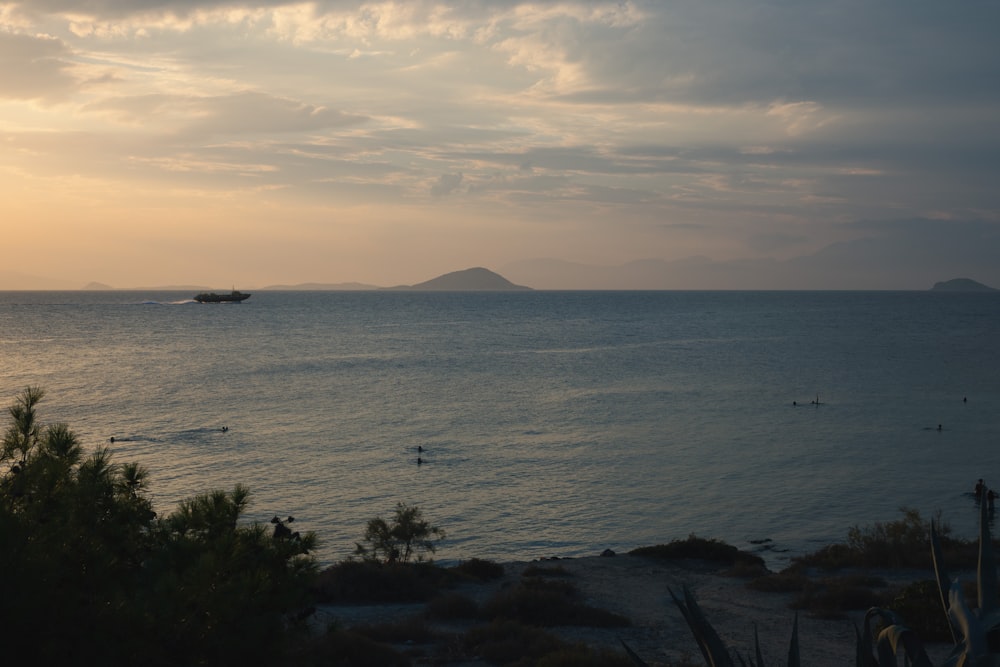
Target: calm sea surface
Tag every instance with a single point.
(553, 423)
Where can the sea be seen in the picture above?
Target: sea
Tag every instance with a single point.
(534, 424)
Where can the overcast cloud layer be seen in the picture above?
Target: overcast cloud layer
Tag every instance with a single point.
(149, 142)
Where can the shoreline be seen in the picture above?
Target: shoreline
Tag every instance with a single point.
(638, 587)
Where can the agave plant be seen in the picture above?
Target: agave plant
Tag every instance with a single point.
(895, 639)
(713, 649)
(970, 628)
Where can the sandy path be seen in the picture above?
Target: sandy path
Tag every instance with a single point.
(639, 589)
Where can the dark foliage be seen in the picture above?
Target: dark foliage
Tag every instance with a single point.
(920, 604)
(579, 655)
(453, 606)
(477, 568)
(541, 571)
(368, 582)
(408, 630)
(505, 642)
(407, 536)
(510, 643)
(831, 597)
(548, 604)
(344, 648)
(781, 582)
(697, 548)
(92, 576)
(904, 543)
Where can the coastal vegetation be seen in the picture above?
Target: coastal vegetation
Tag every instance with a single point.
(93, 574)
(887, 633)
(407, 536)
(740, 563)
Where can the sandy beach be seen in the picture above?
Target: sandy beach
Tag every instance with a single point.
(639, 589)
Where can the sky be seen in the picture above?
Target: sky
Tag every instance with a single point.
(218, 143)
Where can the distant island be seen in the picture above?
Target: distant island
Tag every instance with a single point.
(475, 279)
(961, 285)
(470, 280)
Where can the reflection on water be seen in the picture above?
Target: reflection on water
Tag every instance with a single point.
(551, 423)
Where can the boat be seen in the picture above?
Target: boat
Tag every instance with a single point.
(211, 297)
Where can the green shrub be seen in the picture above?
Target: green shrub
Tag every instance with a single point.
(548, 604)
(920, 604)
(354, 582)
(409, 630)
(579, 655)
(698, 548)
(830, 557)
(507, 642)
(477, 568)
(345, 648)
(830, 598)
(960, 554)
(453, 606)
(93, 576)
(408, 536)
(782, 582)
(894, 544)
(540, 571)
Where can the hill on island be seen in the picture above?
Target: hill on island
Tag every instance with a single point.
(961, 285)
(469, 280)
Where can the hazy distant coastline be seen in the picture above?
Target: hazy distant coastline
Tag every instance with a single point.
(694, 274)
(476, 279)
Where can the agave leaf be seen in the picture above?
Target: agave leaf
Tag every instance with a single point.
(974, 636)
(756, 647)
(899, 638)
(885, 651)
(987, 586)
(712, 647)
(633, 655)
(866, 642)
(793, 645)
(941, 575)
(862, 658)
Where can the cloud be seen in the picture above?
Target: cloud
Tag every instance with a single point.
(728, 128)
(254, 112)
(242, 113)
(446, 184)
(116, 9)
(34, 68)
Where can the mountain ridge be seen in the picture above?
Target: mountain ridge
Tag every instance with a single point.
(894, 255)
(470, 280)
(476, 279)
